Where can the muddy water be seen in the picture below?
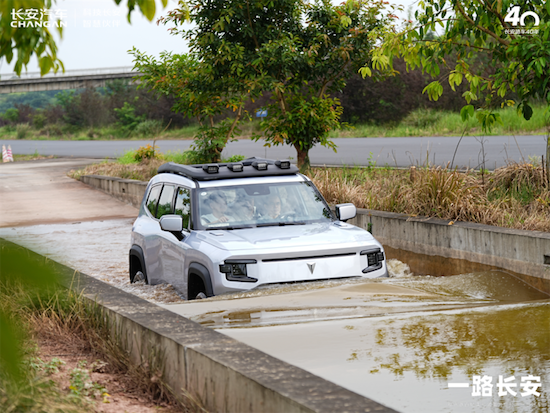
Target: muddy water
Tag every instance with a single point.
(96, 248)
(402, 341)
(399, 341)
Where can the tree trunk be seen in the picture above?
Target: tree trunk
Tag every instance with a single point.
(303, 158)
(548, 160)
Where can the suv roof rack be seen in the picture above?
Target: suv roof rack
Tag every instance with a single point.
(251, 167)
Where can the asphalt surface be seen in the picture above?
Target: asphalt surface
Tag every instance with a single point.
(40, 192)
(400, 152)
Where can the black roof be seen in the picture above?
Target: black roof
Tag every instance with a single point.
(225, 170)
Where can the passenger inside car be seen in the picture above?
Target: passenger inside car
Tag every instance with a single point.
(244, 209)
(218, 205)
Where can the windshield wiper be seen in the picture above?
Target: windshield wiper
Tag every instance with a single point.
(227, 228)
(280, 224)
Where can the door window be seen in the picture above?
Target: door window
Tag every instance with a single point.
(165, 201)
(183, 206)
(153, 198)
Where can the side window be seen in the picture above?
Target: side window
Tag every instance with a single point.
(153, 198)
(165, 201)
(183, 206)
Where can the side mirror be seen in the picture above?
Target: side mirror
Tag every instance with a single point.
(172, 223)
(345, 211)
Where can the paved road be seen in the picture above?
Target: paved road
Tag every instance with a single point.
(401, 152)
(40, 192)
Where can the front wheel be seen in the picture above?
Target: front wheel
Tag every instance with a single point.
(139, 276)
(137, 271)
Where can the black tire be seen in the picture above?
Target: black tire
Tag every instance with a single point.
(196, 287)
(198, 282)
(137, 266)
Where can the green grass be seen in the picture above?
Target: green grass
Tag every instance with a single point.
(421, 122)
(427, 122)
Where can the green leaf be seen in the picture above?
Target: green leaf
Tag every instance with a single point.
(46, 64)
(455, 79)
(466, 112)
(365, 71)
(148, 8)
(527, 111)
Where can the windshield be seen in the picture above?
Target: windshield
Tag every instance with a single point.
(286, 203)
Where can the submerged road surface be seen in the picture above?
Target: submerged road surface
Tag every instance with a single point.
(489, 152)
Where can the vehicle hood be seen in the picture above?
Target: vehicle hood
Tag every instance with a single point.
(321, 236)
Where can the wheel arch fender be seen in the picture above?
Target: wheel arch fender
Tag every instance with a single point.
(202, 272)
(136, 252)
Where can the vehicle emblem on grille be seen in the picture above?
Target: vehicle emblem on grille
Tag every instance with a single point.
(311, 267)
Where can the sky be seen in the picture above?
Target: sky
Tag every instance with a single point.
(98, 35)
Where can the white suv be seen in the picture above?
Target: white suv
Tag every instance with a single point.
(218, 228)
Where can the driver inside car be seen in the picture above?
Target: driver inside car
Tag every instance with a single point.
(272, 207)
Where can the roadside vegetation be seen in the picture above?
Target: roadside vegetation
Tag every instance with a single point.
(420, 122)
(371, 109)
(514, 196)
(57, 353)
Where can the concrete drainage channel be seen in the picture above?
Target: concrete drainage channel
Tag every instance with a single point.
(222, 373)
(227, 375)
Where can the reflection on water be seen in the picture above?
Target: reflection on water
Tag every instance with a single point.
(406, 361)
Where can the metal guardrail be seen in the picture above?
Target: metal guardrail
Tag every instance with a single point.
(68, 73)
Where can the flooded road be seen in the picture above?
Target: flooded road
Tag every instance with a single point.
(403, 341)
(96, 248)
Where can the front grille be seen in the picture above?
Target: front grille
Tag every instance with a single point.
(312, 257)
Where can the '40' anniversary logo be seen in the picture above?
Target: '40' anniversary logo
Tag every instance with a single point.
(515, 16)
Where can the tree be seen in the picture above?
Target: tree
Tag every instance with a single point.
(24, 42)
(300, 52)
(199, 93)
(513, 38)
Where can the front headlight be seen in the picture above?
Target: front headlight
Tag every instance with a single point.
(235, 270)
(374, 259)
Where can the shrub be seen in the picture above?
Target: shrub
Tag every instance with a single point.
(53, 130)
(38, 121)
(148, 128)
(11, 115)
(423, 118)
(22, 130)
(234, 158)
(127, 117)
(148, 152)
(187, 157)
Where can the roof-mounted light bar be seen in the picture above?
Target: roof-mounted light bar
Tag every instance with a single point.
(247, 168)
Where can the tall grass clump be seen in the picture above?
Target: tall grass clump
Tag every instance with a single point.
(48, 310)
(515, 196)
(23, 386)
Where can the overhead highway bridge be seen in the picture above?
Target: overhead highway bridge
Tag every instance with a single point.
(70, 79)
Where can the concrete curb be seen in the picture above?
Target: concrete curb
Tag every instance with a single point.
(128, 191)
(526, 253)
(222, 373)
